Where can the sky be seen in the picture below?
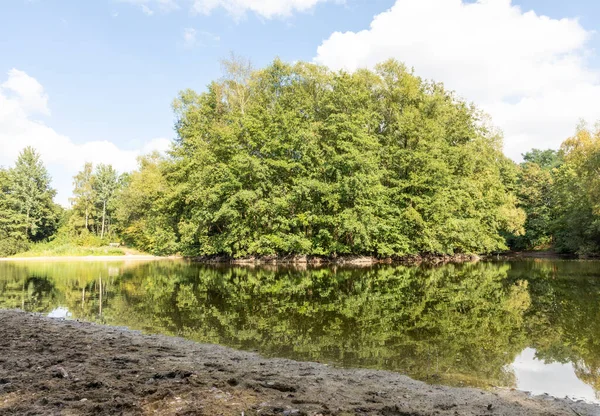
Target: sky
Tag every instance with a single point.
(94, 80)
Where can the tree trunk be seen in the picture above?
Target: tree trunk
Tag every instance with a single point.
(87, 215)
(100, 303)
(103, 218)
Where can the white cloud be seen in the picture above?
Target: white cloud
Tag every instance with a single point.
(192, 38)
(26, 92)
(237, 8)
(147, 10)
(189, 37)
(145, 5)
(264, 8)
(530, 72)
(21, 98)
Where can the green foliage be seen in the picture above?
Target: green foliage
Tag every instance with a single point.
(94, 200)
(576, 194)
(27, 212)
(84, 197)
(32, 196)
(142, 210)
(535, 193)
(546, 159)
(299, 159)
(560, 191)
(70, 242)
(69, 249)
(105, 185)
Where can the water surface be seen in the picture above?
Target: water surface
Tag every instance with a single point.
(531, 325)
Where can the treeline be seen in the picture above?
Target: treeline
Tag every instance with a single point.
(297, 159)
(560, 192)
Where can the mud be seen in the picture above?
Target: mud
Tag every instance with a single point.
(61, 367)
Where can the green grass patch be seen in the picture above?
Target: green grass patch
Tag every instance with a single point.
(67, 249)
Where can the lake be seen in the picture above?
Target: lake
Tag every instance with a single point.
(531, 325)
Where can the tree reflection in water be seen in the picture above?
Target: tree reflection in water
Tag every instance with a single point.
(456, 324)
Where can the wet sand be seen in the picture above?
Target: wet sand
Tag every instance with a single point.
(60, 367)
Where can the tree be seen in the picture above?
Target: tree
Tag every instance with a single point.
(33, 196)
(13, 225)
(142, 210)
(300, 159)
(535, 197)
(576, 194)
(105, 184)
(84, 193)
(546, 159)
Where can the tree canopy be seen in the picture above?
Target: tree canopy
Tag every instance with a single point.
(27, 210)
(300, 159)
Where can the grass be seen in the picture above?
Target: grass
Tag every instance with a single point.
(69, 250)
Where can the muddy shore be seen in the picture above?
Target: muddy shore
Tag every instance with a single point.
(61, 367)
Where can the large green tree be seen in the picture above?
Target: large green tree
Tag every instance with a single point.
(13, 225)
(32, 195)
(300, 159)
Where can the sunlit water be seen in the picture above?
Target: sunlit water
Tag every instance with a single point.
(529, 325)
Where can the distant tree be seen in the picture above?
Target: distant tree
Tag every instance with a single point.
(576, 194)
(84, 193)
(142, 214)
(33, 196)
(545, 159)
(105, 184)
(237, 74)
(535, 197)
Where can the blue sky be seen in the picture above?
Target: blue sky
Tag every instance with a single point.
(102, 74)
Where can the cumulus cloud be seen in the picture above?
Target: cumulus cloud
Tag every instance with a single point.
(25, 92)
(22, 98)
(237, 8)
(530, 72)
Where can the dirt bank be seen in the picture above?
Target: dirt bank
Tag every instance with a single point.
(350, 260)
(55, 367)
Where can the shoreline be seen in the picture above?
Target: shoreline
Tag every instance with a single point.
(343, 260)
(127, 257)
(305, 261)
(53, 366)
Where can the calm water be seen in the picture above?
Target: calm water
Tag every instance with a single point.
(530, 325)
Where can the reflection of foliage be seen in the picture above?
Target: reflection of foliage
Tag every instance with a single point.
(564, 321)
(457, 324)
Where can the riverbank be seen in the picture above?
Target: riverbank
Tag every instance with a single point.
(126, 257)
(56, 367)
(348, 260)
